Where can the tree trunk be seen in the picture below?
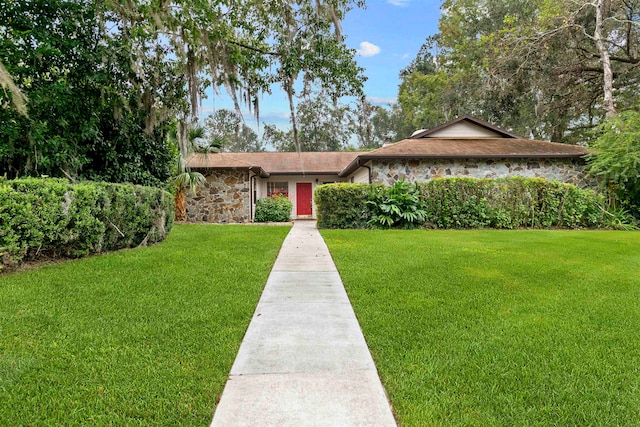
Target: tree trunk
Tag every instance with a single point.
(602, 43)
(181, 207)
(289, 89)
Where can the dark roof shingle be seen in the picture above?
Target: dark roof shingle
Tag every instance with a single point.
(345, 163)
(451, 148)
(276, 163)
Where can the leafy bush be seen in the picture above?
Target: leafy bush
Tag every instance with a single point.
(510, 203)
(398, 206)
(53, 218)
(276, 208)
(343, 205)
(465, 203)
(616, 160)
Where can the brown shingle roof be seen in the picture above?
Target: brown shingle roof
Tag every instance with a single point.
(487, 148)
(268, 163)
(345, 163)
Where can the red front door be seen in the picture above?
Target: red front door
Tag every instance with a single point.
(303, 198)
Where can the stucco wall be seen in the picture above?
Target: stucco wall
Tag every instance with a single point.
(361, 176)
(464, 129)
(567, 170)
(223, 199)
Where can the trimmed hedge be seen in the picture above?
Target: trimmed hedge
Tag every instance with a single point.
(275, 208)
(473, 203)
(53, 218)
(510, 203)
(343, 205)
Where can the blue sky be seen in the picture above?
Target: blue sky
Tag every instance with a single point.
(387, 35)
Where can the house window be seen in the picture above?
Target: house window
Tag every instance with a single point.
(275, 188)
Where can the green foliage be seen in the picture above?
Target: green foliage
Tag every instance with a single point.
(52, 218)
(276, 208)
(105, 79)
(510, 203)
(226, 131)
(616, 160)
(464, 203)
(374, 125)
(397, 206)
(531, 66)
(342, 205)
(188, 179)
(91, 109)
(423, 98)
(618, 218)
(247, 46)
(323, 125)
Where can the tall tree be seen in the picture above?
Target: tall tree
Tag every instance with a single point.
(105, 79)
(616, 159)
(247, 45)
(374, 125)
(324, 125)
(226, 131)
(551, 70)
(86, 115)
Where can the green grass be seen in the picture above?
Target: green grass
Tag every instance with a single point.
(138, 337)
(499, 328)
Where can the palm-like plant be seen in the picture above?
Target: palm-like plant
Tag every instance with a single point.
(185, 138)
(398, 206)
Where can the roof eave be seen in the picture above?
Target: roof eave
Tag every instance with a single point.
(305, 173)
(473, 156)
(255, 169)
(351, 167)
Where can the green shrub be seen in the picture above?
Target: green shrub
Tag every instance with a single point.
(464, 203)
(53, 218)
(343, 205)
(276, 208)
(397, 206)
(510, 203)
(615, 160)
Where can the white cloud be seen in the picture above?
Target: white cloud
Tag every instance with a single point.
(400, 3)
(368, 49)
(405, 56)
(381, 100)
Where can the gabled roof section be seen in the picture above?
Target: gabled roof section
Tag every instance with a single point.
(489, 129)
(270, 163)
(468, 148)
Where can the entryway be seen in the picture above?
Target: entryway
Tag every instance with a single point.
(304, 199)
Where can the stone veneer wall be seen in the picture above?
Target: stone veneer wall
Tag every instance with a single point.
(569, 170)
(223, 199)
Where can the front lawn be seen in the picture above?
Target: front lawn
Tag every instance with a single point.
(499, 328)
(138, 337)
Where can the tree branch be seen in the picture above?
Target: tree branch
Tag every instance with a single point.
(255, 49)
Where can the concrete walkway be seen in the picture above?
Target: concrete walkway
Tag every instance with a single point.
(303, 360)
